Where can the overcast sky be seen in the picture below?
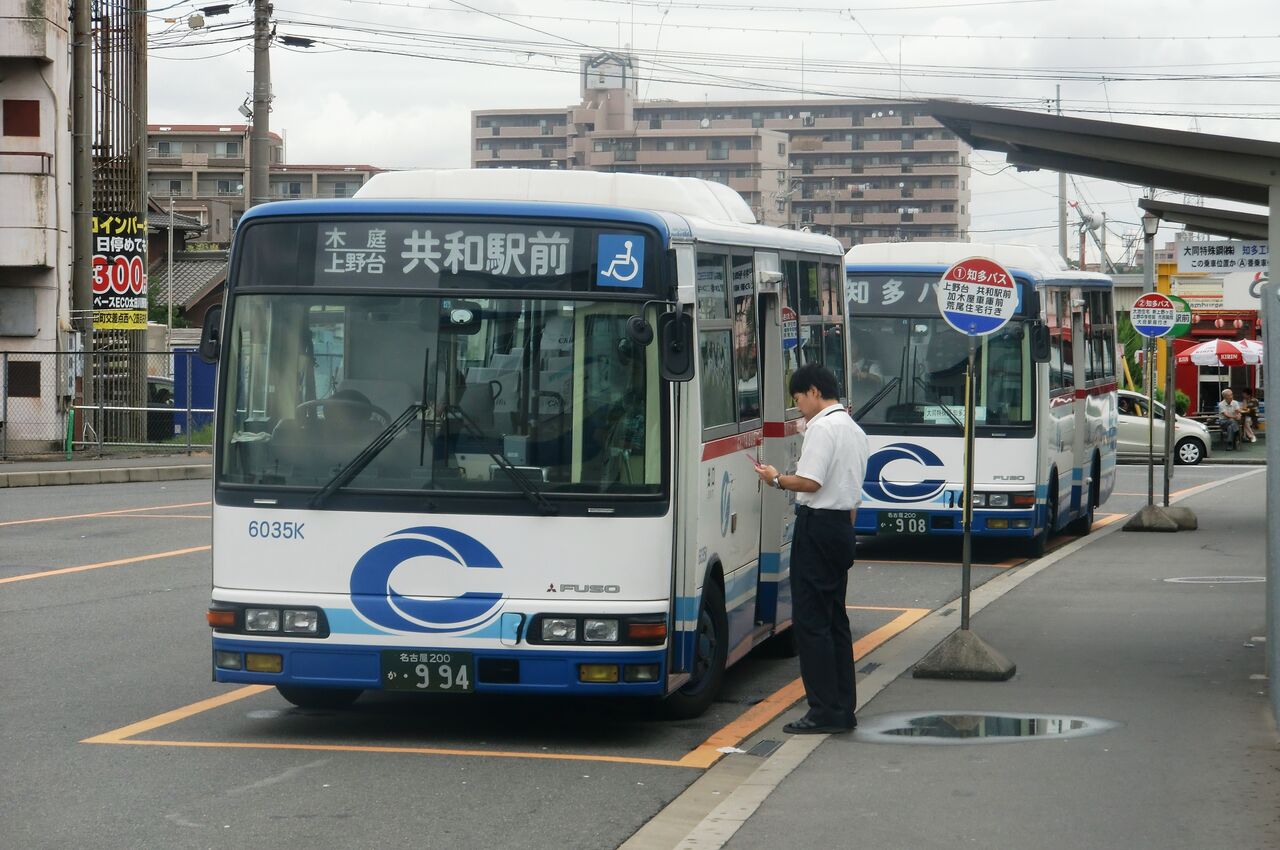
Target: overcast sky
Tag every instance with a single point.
(392, 82)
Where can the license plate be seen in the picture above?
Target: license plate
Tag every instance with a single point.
(903, 522)
(428, 671)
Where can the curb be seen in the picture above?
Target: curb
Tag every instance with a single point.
(118, 475)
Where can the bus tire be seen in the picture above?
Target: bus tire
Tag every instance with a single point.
(1083, 524)
(320, 697)
(1040, 543)
(709, 661)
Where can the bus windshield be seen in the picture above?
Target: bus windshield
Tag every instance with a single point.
(911, 371)
(548, 385)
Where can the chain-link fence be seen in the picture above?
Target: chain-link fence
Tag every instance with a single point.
(105, 402)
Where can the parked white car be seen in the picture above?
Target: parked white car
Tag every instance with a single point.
(1190, 438)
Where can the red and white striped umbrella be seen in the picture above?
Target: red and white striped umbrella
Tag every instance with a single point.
(1251, 345)
(1220, 352)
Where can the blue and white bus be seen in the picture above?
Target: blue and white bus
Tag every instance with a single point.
(1045, 395)
(493, 431)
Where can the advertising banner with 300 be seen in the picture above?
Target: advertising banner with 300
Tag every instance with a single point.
(119, 271)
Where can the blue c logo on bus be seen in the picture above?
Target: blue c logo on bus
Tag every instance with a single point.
(378, 602)
(891, 491)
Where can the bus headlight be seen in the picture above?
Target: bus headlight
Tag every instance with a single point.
(262, 619)
(998, 500)
(301, 620)
(979, 500)
(600, 631)
(559, 630)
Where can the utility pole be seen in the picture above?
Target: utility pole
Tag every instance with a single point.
(168, 325)
(82, 190)
(260, 141)
(1062, 198)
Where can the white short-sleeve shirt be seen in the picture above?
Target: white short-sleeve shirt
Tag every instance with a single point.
(834, 454)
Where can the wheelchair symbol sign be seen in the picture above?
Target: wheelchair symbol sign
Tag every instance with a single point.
(620, 260)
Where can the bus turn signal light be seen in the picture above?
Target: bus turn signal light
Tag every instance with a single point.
(647, 631)
(220, 619)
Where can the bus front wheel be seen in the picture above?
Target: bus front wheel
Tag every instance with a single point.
(1040, 543)
(320, 697)
(710, 655)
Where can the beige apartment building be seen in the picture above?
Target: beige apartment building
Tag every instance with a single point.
(206, 169)
(861, 170)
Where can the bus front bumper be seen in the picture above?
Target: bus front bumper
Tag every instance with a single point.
(497, 670)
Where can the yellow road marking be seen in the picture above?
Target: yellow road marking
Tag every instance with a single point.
(102, 513)
(166, 516)
(702, 756)
(117, 736)
(139, 559)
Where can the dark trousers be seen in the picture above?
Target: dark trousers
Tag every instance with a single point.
(822, 550)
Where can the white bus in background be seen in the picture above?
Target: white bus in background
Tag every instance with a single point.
(1045, 395)
(492, 431)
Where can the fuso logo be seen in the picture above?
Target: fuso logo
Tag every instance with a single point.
(378, 602)
(877, 488)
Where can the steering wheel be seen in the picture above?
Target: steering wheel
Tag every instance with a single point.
(358, 407)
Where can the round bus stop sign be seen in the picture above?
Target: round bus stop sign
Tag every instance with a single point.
(977, 296)
(1154, 314)
(1182, 325)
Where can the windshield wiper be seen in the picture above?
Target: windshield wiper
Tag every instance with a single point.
(877, 398)
(367, 454)
(531, 492)
(938, 401)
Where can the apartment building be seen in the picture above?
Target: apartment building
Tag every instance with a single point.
(35, 184)
(861, 170)
(202, 164)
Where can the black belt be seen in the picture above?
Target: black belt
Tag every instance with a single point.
(831, 512)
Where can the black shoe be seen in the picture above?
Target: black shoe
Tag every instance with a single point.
(808, 726)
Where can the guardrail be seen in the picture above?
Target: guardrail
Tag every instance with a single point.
(104, 403)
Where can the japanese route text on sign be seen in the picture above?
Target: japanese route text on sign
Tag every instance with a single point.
(1221, 256)
(1153, 314)
(119, 271)
(977, 296)
(395, 249)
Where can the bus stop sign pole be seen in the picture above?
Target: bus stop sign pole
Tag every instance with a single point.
(1153, 315)
(976, 296)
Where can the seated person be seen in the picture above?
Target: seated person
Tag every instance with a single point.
(865, 375)
(1229, 419)
(1249, 415)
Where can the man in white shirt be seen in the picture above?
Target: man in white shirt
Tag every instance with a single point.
(828, 484)
(1229, 418)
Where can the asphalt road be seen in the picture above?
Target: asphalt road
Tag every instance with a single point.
(114, 735)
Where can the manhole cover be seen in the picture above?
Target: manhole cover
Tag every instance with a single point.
(1216, 580)
(975, 727)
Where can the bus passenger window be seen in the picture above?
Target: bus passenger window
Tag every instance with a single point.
(746, 349)
(716, 342)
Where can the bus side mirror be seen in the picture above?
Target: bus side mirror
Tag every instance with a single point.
(211, 335)
(675, 346)
(1040, 343)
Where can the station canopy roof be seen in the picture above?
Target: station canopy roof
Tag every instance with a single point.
(1177, 160)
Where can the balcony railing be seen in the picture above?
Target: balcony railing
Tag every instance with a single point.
(45, 162)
